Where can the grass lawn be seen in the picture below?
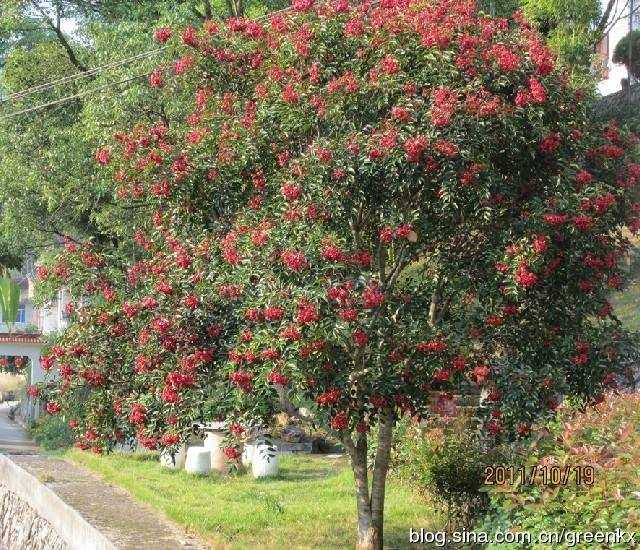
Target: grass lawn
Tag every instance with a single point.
(627, 303)
(310, 505)
(627, 307)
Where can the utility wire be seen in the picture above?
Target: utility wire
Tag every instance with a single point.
(28, 91)
(83, 74)
(75, 96)
(95, 70)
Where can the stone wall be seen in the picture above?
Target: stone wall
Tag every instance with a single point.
(34, 517)
(22, 528)
(623, 102)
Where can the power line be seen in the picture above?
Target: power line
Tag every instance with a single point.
(28, 91)
(69, 98)
(83, 74)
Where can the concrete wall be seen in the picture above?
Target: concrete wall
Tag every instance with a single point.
(33, 517)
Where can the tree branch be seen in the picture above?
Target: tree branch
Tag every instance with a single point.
(602, 24)
(435, 302)
(208, 12)
(60, 36)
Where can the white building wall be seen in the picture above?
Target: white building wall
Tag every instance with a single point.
(50, 318)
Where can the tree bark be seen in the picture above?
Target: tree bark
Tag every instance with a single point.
(370, 502)
(602, 24)
(55, 27)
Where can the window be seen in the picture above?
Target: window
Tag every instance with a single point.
(21, 317)
(22, 314)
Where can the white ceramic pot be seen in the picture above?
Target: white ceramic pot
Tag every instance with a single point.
(264, 461)
(174, 461)
(247, 455)
(213, 442)
(198, 461)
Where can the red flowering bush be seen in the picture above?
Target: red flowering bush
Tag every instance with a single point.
(362, 210)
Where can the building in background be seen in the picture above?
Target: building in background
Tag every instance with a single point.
(624, 18)
(33, 319)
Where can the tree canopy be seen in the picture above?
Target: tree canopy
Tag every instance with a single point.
(358, 211)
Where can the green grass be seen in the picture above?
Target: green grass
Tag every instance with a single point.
(627, 303)
(627, 307)
(310, 505)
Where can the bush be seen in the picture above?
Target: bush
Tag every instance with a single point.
(447, 464)
(51, 433)
(621, 53)
(605, 437)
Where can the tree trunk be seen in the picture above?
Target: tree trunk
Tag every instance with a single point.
(371, 501)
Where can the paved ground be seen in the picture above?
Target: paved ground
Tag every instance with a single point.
(13, 439)
(128, 524)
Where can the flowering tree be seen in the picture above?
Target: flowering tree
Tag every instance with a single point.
(360, 210)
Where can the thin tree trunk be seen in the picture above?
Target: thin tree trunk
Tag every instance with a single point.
(371, 502)
(380, 470)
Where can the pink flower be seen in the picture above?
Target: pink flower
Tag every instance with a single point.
(390, 65)
(540, 243)
(360, 338)
(435, 346)
(400, 114)
(414, 147)
(294, 260)
(555, 219)
(273, 313)
(550, 143)
(340, 421)
(289, 94)
(583, 223)
(372, 297)
(291, 333)
(53, 408)
(192, 301)
(103, 156)
(302, 5)
(138, 414)
(163, 34)
(307, 313)
(386, 235)
(155, 79)
(277, 378)
(291, 191)
(524, 277)
(189, 37)
(538, 93)
(332, 253)
(354, 27)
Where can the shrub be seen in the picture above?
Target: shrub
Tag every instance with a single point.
(52, 432)
(448, 464)
(622, 55)
(604, 437)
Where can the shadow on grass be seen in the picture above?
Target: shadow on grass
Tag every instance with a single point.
(290, 474)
